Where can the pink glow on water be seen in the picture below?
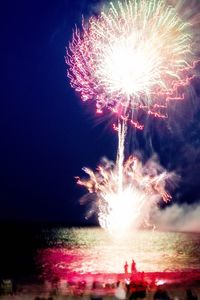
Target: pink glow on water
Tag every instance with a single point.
(92, 251)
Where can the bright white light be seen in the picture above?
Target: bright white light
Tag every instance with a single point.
(130, 65)
(124, 210)
(160, 282)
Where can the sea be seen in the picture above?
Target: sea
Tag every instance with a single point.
(29, 253)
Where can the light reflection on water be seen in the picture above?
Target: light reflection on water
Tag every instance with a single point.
(92, 250)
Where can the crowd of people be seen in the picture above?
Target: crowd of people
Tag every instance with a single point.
(132, 285)
(133, 289)
(124, 291)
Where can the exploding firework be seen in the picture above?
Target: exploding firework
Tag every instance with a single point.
(124, 193)
(129, 206)
(134, 55)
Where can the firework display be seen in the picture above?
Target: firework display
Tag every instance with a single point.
(134, 55)
(130, 207)
(126, 191)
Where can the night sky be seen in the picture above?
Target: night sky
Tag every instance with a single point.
(47, 134)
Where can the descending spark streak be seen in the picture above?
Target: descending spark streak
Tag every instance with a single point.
(133, 55)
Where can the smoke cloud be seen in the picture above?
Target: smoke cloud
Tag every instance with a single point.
(183, 218)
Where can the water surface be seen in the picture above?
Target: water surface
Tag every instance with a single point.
(92, 250)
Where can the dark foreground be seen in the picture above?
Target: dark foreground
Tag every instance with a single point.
(140, 285)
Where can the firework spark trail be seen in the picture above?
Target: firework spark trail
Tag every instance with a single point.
(120, 154)
(134, 55)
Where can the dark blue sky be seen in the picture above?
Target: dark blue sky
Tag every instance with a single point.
(47, 134)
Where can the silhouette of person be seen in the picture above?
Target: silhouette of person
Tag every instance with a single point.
(161, 295)
(126, 268)
(190, 295)
(133, 267)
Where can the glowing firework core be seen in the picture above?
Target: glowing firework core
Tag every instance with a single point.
(131, 56)
(128, 69)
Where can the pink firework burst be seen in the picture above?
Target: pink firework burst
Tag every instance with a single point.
(134, 55)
